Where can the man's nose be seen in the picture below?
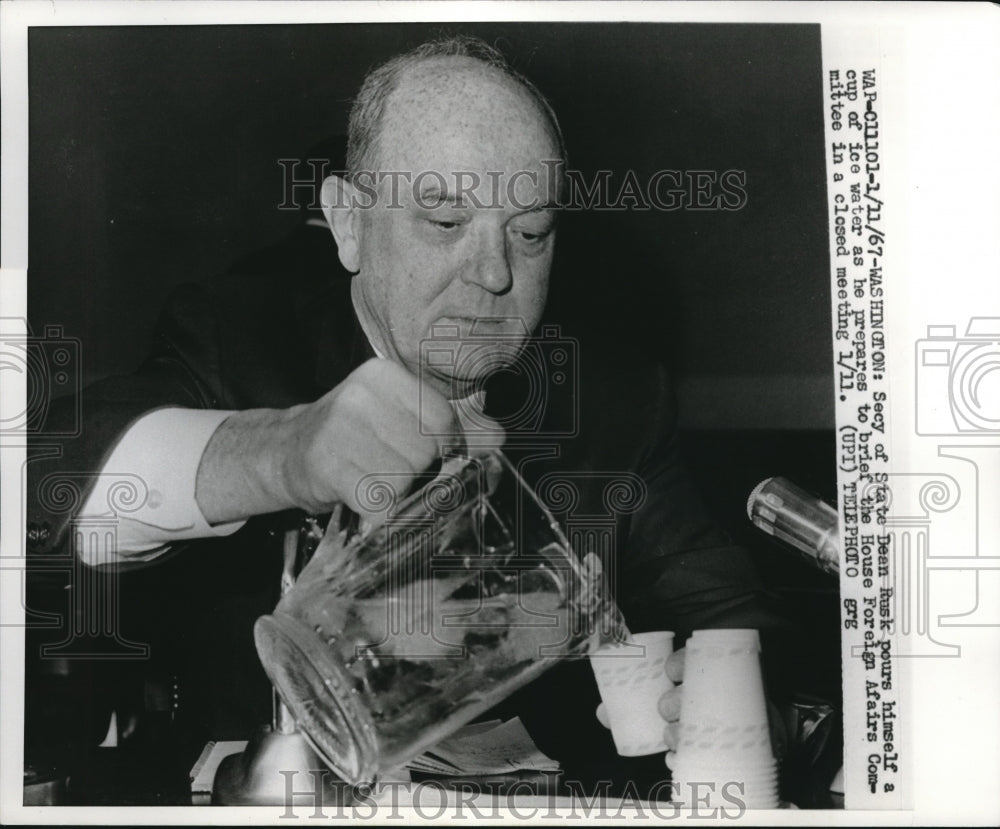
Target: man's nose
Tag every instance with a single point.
(490, 269)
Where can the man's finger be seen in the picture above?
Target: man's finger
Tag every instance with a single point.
(670, 705)
(670, 735)
(602, 715)
(449, 436)
(675, 666)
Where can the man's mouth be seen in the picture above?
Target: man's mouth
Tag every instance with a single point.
(462, 326)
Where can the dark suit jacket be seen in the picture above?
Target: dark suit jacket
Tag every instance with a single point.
(592, 420)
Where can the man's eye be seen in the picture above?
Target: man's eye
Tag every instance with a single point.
(444, 227)
(530, 236)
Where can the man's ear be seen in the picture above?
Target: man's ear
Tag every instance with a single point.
(339, 200)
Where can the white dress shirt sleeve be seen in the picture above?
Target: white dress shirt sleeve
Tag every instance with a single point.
(146, 488)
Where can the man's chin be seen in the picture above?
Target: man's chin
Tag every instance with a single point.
(462, 363)
(455, 386)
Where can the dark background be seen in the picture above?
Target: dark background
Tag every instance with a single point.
(154, 160)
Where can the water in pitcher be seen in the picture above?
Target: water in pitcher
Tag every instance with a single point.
(462, 597)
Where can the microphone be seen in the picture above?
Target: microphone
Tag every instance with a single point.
(789, 513)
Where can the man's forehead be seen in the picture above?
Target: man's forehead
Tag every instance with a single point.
(457, 113)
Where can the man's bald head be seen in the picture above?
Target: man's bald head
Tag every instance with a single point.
(429, 70)
(468, 246)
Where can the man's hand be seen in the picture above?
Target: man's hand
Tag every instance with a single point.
(370, 423)
(670, 710)
(670, 702)
(315, 455)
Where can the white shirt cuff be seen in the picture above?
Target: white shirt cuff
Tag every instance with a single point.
(146, 488)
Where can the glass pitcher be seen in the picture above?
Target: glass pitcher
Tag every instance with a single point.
(390, 642)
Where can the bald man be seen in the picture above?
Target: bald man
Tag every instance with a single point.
(269, 394)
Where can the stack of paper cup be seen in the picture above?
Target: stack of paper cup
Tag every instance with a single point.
(724, 745)
(631, 677)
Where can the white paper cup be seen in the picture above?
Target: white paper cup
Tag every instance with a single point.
(688, 768)
(714, 768)
(721, 796)
(727, 777)
(743, 742)
(724, 736)
(722, 680)
(631, 678)
(729, 637)
(753, 794)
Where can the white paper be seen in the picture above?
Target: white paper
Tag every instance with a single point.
(477, 751)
